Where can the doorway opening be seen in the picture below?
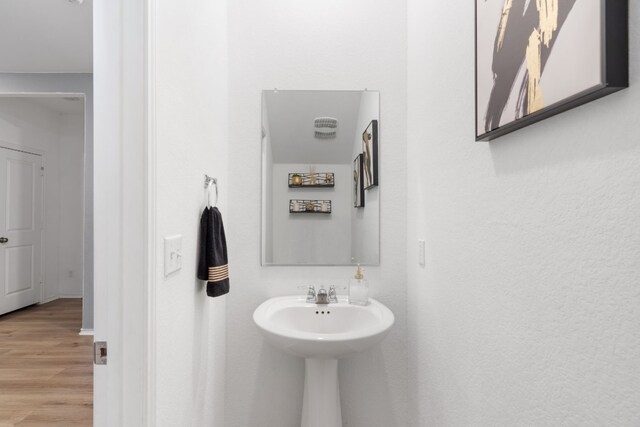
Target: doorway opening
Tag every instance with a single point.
(45, 276)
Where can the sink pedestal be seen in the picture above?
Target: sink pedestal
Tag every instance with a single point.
(321, 403)
(297, 327)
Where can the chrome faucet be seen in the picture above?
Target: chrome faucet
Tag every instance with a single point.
(322, 296)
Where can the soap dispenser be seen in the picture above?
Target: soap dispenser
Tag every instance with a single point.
(359, 288)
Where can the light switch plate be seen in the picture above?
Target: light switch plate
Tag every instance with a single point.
(421, 256)
(172, 254)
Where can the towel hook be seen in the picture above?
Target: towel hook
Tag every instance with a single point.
(208, 181)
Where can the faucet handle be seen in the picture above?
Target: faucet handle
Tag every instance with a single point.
(333, 297)
(311, 293)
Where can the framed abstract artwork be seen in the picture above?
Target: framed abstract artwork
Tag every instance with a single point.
(370, 154)
(310, 206)
(538, 58)
(303, 179)
(358, 187)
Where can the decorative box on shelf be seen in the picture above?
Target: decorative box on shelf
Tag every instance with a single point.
(310, 206)
(325, 179)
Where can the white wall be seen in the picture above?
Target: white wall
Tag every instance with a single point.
(61, 137)
(313, 45)
(191, 131)
(311, 238)
(527, 310)
(71, 249)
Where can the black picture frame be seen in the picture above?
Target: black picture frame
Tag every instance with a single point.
(358, 187)
(370, 155)
(614, 71)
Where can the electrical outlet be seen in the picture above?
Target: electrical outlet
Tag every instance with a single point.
(421, 255)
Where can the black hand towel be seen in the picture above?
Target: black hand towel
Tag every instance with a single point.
(213, 263)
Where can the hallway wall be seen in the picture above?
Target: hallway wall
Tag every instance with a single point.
(72, 254)
(527, 310)
(313, 45)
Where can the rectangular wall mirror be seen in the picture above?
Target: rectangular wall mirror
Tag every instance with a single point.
(320, 177)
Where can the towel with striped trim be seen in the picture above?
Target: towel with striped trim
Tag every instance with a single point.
(213, 264)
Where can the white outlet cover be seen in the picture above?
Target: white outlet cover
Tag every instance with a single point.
(172, 254)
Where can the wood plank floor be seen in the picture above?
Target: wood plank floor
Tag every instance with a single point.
(46, 368)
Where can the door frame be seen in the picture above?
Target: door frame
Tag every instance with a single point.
(41, 154)
(124, 215)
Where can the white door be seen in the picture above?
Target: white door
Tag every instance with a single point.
(20, 229)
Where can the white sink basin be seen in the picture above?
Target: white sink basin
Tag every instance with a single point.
(322, 334)
(322, 331)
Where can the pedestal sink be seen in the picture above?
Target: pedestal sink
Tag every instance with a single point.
(322, 334)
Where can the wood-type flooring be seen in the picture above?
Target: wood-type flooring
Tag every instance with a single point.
(46, 368)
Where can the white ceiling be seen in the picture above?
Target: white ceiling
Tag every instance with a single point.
(290, 124)
(45, 36)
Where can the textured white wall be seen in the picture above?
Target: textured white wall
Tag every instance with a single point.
(191, 129)
(313, 45)
(61, 138)
(527, 310)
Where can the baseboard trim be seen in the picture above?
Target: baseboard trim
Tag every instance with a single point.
(71, 296)
(84, 331)
(46, 300)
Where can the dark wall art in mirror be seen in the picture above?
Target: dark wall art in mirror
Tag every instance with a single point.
(301, 179)
(310, 206)
(370, 154)
(358, 188)
(538, 58)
